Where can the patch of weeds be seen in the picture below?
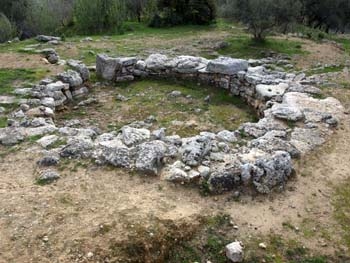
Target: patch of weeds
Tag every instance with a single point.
(208, 244)
(64, 164)
(57, 144)
(288, 225)
(3, 122)
(291, 124)
(204, 188)
(34, 139)
(341, 201)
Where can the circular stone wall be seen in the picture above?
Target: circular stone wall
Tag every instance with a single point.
(292, 123)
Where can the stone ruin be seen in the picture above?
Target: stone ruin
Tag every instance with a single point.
(293, 122)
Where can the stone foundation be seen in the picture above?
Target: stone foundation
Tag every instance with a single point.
(292, 123)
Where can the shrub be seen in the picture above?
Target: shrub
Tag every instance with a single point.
(178, 12)
(6, 28)
(99, 15)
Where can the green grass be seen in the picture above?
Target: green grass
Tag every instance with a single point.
(345, 42)
(323, 70)
(3, 122)
(17, 46)
(223, 110)
(9, 77)
(244, 47)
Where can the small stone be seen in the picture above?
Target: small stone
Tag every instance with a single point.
(262, 246)
(234, 252)
(121, 98)
(89, 255)
(48, 176)
(175, 94)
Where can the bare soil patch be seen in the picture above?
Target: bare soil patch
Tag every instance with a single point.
(27, 61)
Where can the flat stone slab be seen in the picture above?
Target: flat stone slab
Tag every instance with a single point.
(7, 100)
(228, 66)
(269, 91)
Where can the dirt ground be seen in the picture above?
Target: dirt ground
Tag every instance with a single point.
(27, 61)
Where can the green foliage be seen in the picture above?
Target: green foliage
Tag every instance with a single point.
(3, 122)
(178, 12)
(46, 17)
(6, 28)
(99, 16)
(262, 16)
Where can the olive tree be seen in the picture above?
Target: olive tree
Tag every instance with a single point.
(6, 28)
(99, 15)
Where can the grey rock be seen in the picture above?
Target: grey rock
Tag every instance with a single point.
(71, 77)
(272, 171)
(44, 38)
(121, 98)
(149, 157)
(114, 152)
(225, 178)
(81, 92)
(175, 94)
(267, 92)
(227, 136)
(272, 143)
(132, 136)
(81, 68)
(49, 160)
(194, 149)
(106, 67)
(234, 252)
(53, 58)
(47, 141)
(156, 62)
(9, 136)
(228, 66)
(287, 112)
(77, 147)
(48, 176)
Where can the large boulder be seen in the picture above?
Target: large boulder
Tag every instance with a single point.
(106, 67)
(132, 136)
(188, 64)
(234, 252)
(81, 68)
(274, 141)
(267, 92)
(43, 38)
(194, 149)
(287, 112)
(77, 147)
(225, 178)
(113, 152)
(227, 66)
(156, 62)
(149, 157)
(48, 176)
(71, 77)
(272, 171)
